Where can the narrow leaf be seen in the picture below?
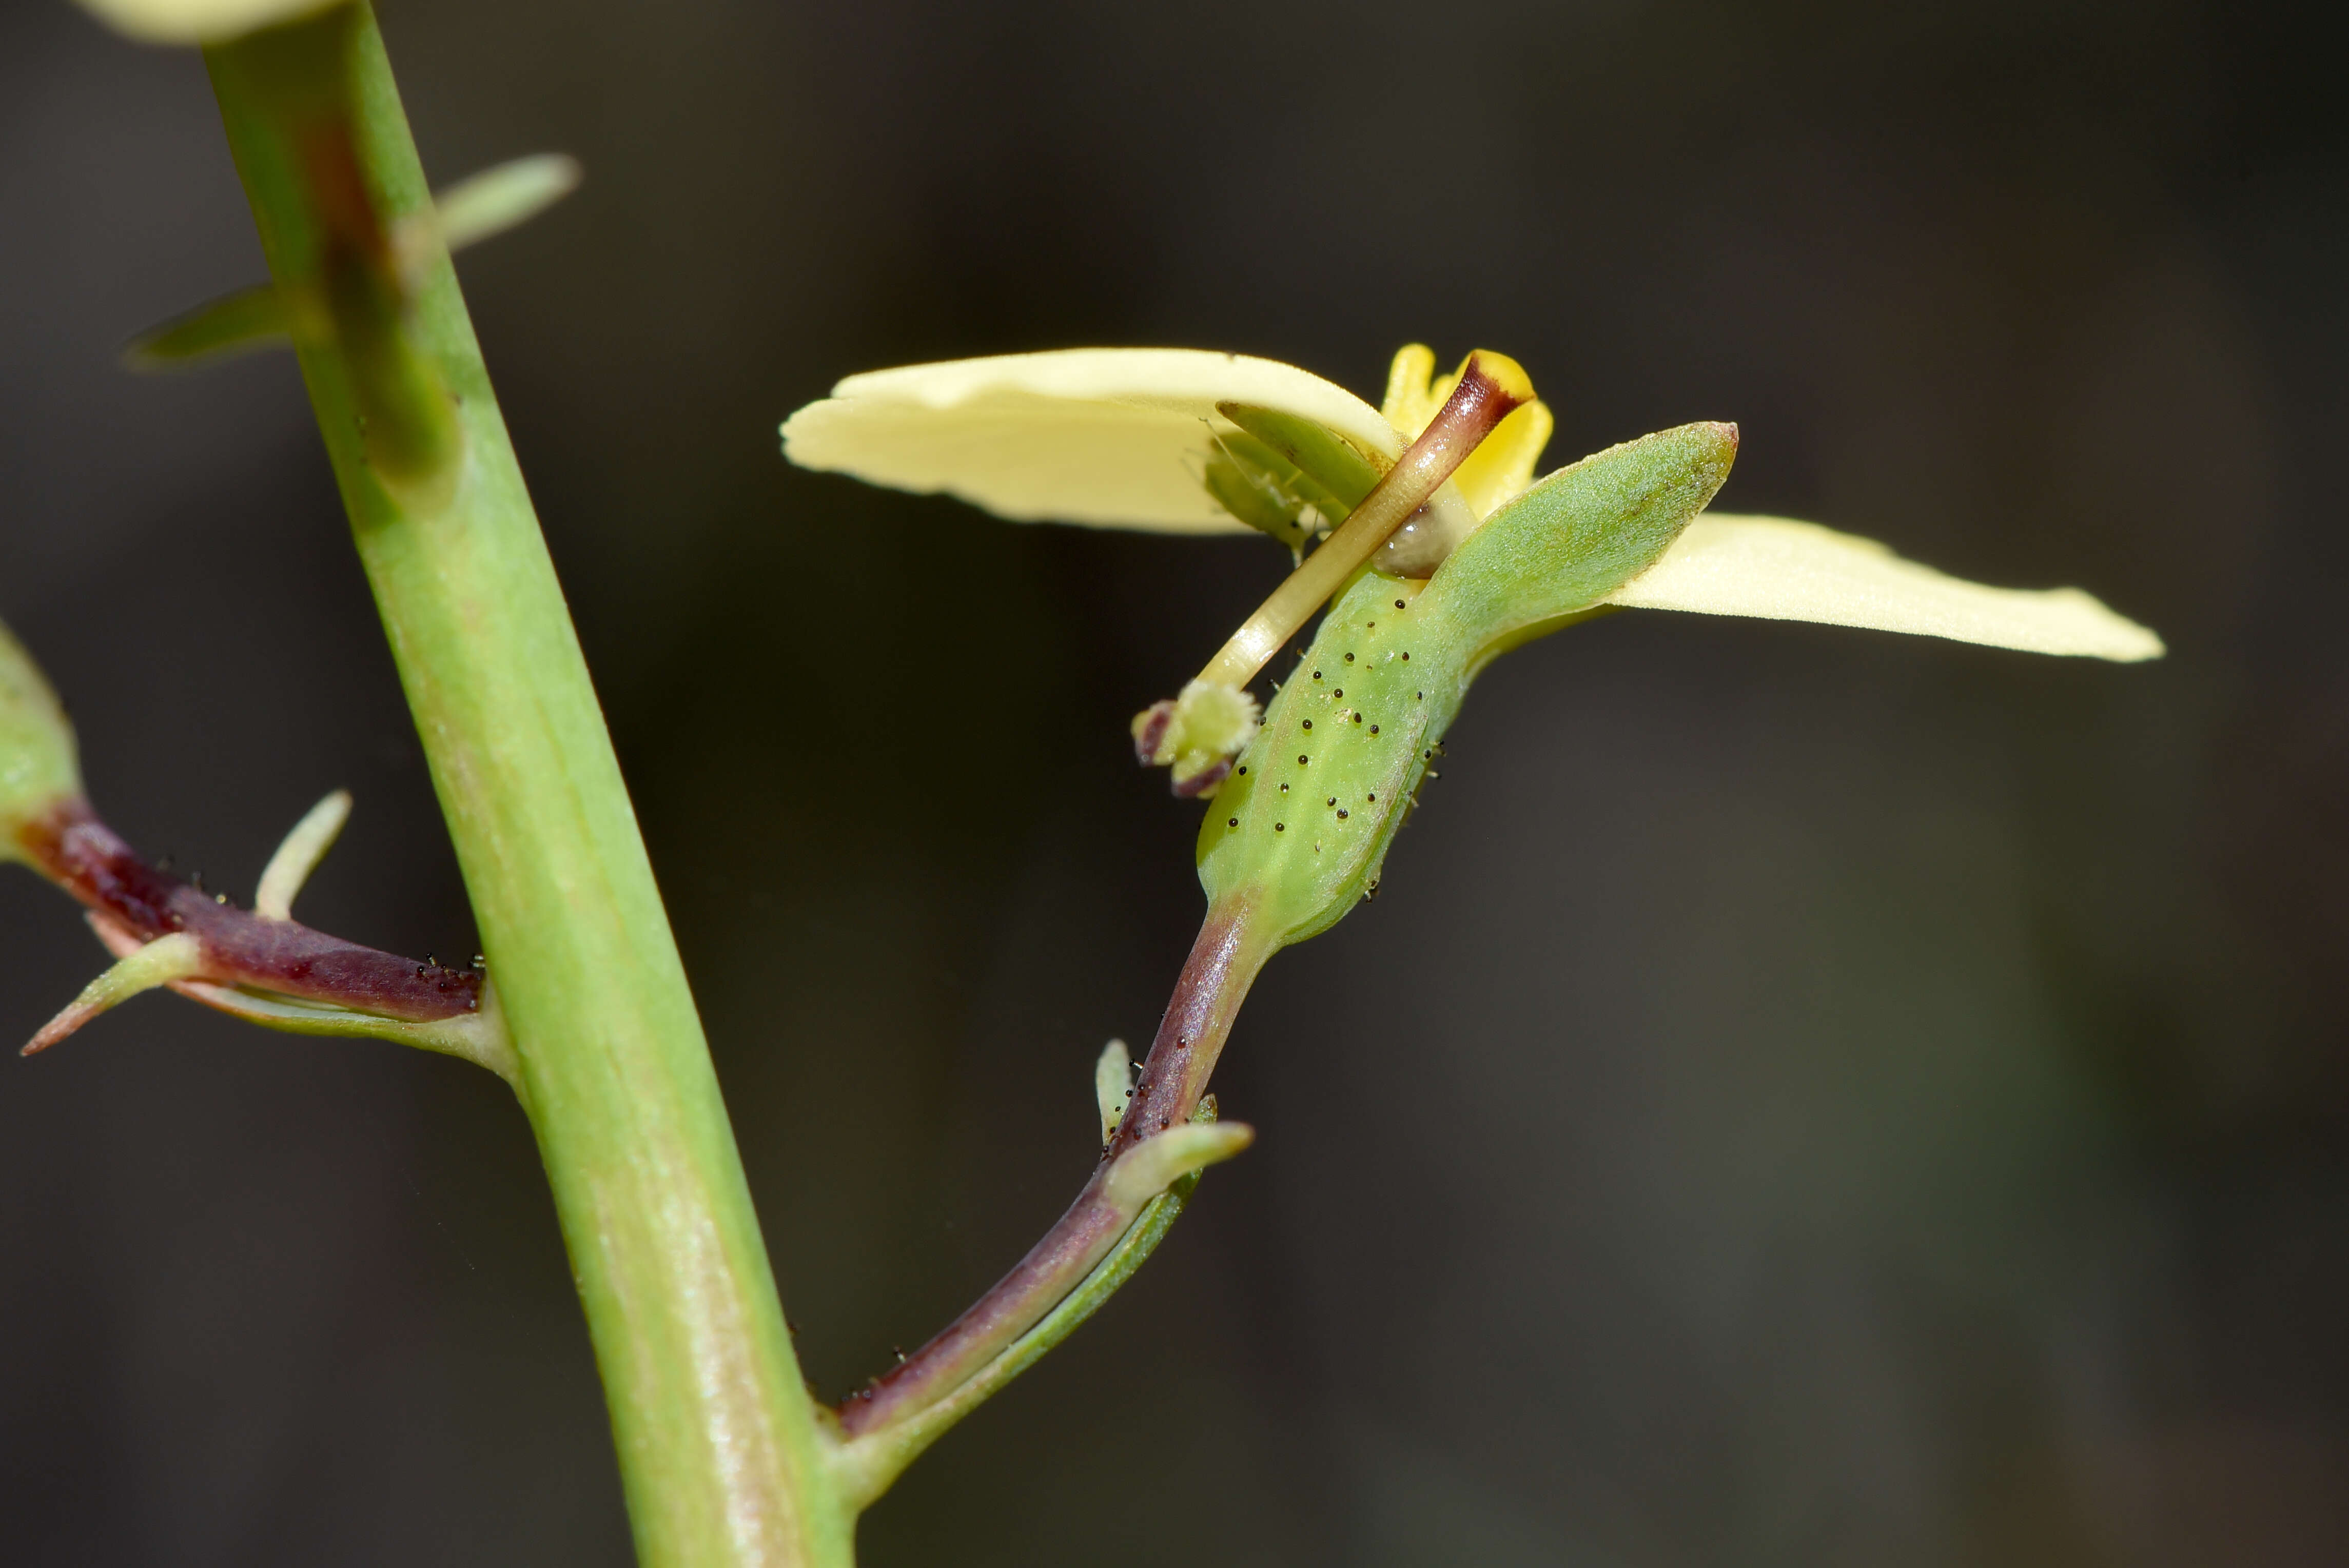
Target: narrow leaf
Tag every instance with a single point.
(233, 323)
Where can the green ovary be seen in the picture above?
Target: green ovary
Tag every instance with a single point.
(1364, 710)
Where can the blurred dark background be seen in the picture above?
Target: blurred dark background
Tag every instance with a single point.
(1804, 1097)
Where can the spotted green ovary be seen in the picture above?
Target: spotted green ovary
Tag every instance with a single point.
(1304, 822)
(1308, 814)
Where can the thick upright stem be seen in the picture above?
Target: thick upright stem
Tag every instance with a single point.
(721, 1448)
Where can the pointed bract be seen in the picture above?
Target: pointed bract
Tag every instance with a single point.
(165, 961)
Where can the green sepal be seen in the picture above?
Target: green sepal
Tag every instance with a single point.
(1319, 453)
(1252, 482)
(1580, 535)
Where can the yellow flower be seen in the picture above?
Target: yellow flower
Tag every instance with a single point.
(1121, 437)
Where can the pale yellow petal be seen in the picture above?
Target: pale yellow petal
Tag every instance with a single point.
(1411, 400)
(1781, 570)
(1109, 437)
(196, 21)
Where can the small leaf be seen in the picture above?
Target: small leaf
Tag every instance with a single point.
(1113, 1081)
(504, 196)
(234, 323)
(299, 855)
(474, 209)
(1150, 1165)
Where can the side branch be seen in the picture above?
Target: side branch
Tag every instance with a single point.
(133, 902)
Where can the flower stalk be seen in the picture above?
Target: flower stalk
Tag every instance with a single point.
(1224, 960)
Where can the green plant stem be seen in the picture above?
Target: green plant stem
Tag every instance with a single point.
(722, 1453)
(870, 1463)
(1229, 951)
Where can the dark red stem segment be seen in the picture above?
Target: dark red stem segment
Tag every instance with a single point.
(1215, 978)
(81, 854)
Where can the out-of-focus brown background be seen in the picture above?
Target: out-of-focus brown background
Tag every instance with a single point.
(1804, 1097)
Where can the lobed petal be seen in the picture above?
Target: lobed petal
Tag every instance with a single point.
(1112, 438)
(1781, 570)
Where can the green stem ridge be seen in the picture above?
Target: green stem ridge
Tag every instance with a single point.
(722, 1453)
